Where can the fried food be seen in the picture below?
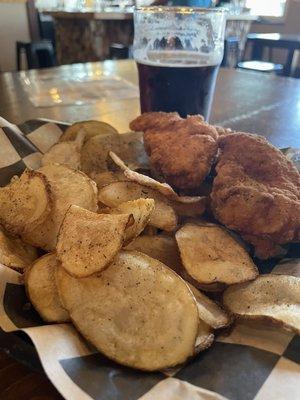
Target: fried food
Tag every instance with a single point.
(161, 247)
(257, 193)
(66, 152)
(210, 256)
(94, 153)
(14, 253)
(137, 312)
(140, 210)
(41, 289)
(274, 298)
(89, 129)
(181, 150)
(163, 216)
(67, 187)
(88, 242)
(25, 203)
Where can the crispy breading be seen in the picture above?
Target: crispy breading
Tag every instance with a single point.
(181, 150)
(157, 119)
(257, 193)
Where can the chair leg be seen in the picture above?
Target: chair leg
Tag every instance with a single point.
(18, 55)
(257, 51)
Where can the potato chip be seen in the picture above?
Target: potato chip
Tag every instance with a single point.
(289, 266)
(211, 256)
(41, 289)
(67, 153)
(105, 178)
(205, 337)
(209, 311)
(145, 180)
(136, 312)
(14, 253)
(274, 298)
(163, 216)
(25, 202)
(141, 210)
(95, 152)
(68, 187)
(89, 129)
(87, 242)
(161, 247)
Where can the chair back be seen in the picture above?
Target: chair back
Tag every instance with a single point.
(33, 21)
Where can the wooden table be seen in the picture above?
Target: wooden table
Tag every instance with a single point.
(246, 101)
(291, 42)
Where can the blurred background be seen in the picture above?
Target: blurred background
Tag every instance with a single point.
(261, 35)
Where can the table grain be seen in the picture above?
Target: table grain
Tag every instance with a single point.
(245, 101)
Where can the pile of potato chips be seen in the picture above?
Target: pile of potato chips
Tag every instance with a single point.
(126, 258)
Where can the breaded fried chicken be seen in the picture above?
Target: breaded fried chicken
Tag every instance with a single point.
(181, 150)
(257, 193)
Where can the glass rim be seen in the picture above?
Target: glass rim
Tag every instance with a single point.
(180, 9)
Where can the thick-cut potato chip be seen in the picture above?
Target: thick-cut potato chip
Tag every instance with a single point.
(211, 256)
(89, 129)
(87, 242)
(105, 178)
(209, 311)
(67, 153)
(163, 216)
(41, 289)
(161, 247)
(288, 267)
(95, 152)
(68, 187)
(275, 298)
(141, 210)
(145, 180)
(205, 337)
(14, 253)
(136, 312)
(25, 203)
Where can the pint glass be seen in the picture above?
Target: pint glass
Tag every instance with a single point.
(178, 51)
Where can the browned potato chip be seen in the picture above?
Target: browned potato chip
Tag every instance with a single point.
(105, 178)
(161, 247)
(141, 210)
(41, 289)
(209, 311)
(68, 187)
(14, 253)
(89, 130)
(163, 215)
(95, 152)
(275, 298)
(67, 153)
(87, 242)
(25, 203)
(205, 337)
(149, 182)
(288, 267)
(136, 312)
(211, 256)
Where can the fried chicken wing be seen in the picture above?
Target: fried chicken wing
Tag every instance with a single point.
(181, 150)
(257, 193)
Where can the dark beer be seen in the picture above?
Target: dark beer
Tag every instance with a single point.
(186, 89)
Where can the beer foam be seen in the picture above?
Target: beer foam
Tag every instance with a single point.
(178, 58)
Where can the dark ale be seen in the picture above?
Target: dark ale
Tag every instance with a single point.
(186, 89)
